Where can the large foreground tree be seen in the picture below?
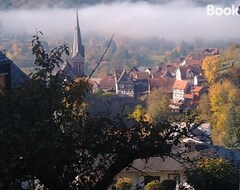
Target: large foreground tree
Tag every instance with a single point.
(45, 133)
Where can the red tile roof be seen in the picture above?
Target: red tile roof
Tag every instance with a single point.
(180, 84)
(163, 83)
(197, 89)
(108, 82)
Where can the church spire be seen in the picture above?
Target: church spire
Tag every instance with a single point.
(77, 41)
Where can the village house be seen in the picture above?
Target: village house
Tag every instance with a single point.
(155, 168)
(124, 84)
(180, 88)
(192, 99)
(191, 74)
(105, 84)
(186, 95)
(165, 84)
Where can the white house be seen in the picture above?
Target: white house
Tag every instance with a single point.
(155, 168)
(180, 87)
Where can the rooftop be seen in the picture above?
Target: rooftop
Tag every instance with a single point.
(17, 76)
(180, 84)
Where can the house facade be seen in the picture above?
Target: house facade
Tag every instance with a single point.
(124, 84)
(155, 168)
(180, 88)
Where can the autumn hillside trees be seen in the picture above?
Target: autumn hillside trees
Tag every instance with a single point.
(225, 105)
(221, 106)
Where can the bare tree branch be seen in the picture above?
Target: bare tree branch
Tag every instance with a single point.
(100, 60)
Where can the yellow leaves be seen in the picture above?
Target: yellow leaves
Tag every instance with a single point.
(138, 113)
(211, 65)
(213, 165)
(223, 97)
(221, 94)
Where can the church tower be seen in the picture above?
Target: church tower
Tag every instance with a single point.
(74, 66)
(78, 51)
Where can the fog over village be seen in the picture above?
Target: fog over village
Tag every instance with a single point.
(177, 20)
(119, 95)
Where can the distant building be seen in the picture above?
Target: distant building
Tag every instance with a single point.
(74, 66)
(163, 83)
(180, 88)
(124, 84)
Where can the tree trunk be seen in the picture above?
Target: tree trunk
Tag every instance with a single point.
(113, 170)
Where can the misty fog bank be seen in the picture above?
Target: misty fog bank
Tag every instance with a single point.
(20, 4)
(172, 21)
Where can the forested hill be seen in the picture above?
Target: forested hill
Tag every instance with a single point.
(12, 4)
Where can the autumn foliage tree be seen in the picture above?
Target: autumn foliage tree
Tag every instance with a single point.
(158, 105)
(211, 66)
(204, 109)
(138, 113)
(225, 104)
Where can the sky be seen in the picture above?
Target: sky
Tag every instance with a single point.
(177, 20)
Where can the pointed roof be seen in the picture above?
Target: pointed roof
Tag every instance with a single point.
(167, 74)
(77, 40)
(68, 70)
(124, 78)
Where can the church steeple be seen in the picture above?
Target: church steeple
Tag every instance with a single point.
(77, 41)
(74, 67)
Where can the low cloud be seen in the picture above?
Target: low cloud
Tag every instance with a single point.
(174, 21)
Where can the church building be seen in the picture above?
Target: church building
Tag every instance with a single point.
(74, 66)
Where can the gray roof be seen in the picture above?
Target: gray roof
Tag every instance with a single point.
(155, 164)
(124, 78)
(68, 70)
(4, 59)
(17, 76)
